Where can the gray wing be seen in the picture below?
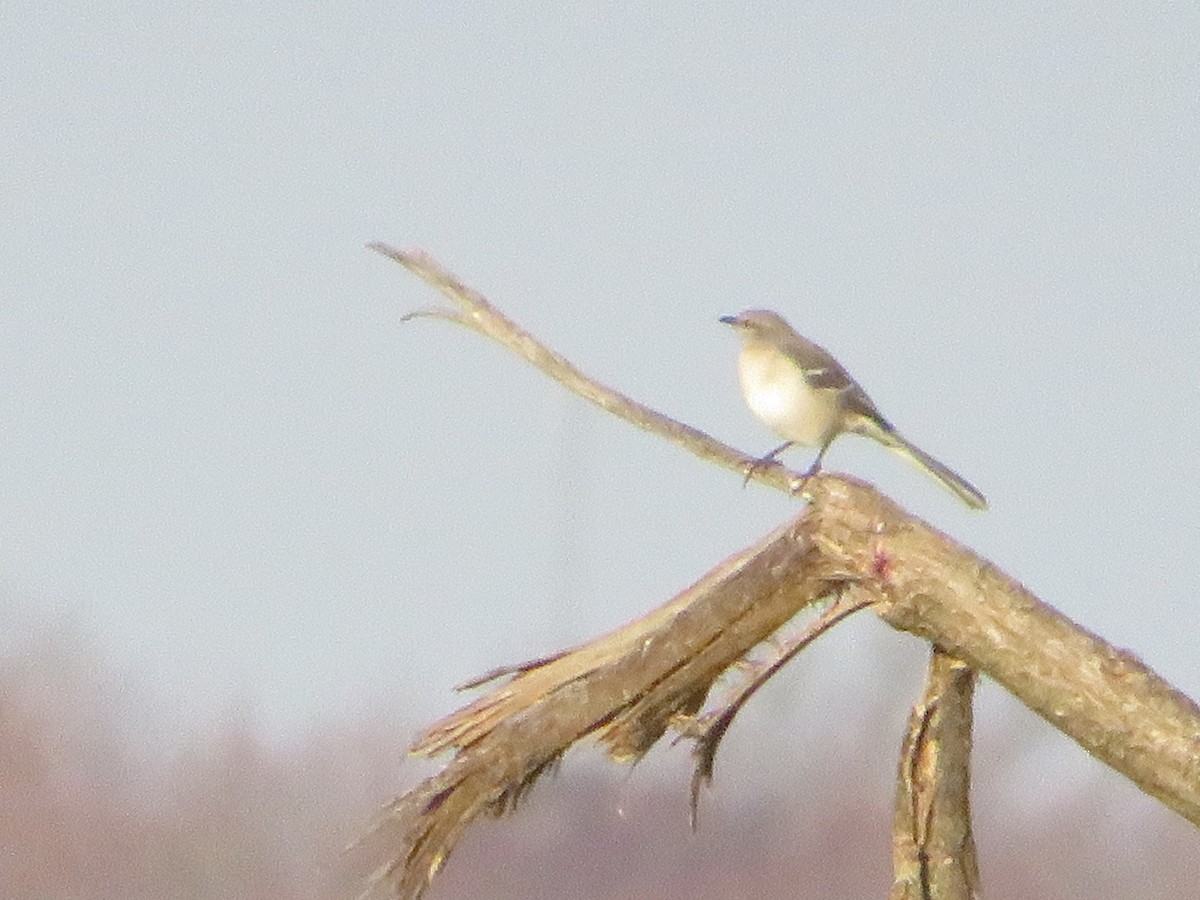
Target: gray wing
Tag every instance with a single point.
(826, 373)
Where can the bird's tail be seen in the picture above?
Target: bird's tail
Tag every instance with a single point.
(950, 479)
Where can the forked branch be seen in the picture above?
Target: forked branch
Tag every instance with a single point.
(851, 545)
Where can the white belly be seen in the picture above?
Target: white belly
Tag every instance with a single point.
(778, 394)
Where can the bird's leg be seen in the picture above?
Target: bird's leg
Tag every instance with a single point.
(812, 470)
(764, 461)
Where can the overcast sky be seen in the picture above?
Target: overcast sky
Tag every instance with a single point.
(227, 463)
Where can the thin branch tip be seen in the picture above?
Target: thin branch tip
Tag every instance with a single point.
(382, 248)
(434, 312)
(407, 258)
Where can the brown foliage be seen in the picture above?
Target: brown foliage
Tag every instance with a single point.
(88, 808)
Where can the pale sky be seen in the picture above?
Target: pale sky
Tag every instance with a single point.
(228, 464)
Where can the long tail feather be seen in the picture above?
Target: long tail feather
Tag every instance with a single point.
(949, 479)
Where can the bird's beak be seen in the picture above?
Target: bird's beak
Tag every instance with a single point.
(730, 320)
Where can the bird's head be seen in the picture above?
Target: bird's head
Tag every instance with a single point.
(760, 324)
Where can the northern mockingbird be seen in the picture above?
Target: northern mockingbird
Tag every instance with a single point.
(805, 396)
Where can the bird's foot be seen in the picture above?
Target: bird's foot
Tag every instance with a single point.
(799, 484)
(763, 461)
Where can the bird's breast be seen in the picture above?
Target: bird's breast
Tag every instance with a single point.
(777, 392)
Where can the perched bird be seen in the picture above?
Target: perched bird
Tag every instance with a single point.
(805, 396)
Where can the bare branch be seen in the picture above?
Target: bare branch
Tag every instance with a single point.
(628, 687)
(1104, 698)
(625, 689)
(932, 847)
(479, 315)
(709, 729)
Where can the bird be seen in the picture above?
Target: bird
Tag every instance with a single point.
(806, 397)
